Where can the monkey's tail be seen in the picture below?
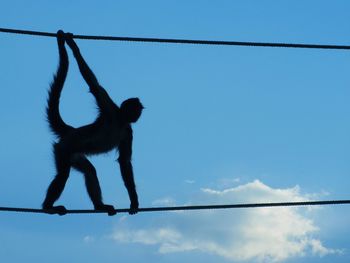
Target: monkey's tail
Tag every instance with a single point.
(56, 123)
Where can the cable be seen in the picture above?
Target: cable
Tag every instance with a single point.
(185, 208)
(181, 41)
(184, 41)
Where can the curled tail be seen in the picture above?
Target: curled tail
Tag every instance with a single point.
(57, 125)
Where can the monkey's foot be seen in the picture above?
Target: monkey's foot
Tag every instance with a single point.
(134, 207)
(133, 211)
(60, 210)
(107, 208)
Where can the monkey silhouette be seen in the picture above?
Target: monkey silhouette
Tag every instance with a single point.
(111, 130)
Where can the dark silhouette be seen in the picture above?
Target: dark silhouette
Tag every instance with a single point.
(111, 129)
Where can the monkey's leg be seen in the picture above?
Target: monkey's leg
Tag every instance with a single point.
(62, 160)
(83, 165)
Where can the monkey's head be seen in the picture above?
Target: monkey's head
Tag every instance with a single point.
(131, 109)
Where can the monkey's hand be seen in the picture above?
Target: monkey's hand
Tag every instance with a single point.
(60, 37)
(70, 41)
(134, 207)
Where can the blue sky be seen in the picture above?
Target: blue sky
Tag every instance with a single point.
(221, 125)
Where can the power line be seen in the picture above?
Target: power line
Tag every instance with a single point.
(181, 41)
(186, 208)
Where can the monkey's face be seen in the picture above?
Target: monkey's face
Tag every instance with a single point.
(131, 109)
(134, 116)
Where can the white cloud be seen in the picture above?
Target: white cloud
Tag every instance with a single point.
(228, 182)
(261, 234)
(190, 181)
(89, 239)
(166, 201)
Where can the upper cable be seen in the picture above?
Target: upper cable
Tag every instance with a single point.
(182, 41)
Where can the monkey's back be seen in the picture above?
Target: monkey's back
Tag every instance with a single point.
(99, 137)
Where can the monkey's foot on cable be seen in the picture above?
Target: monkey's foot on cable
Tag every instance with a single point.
(106, 208)
(60, 210)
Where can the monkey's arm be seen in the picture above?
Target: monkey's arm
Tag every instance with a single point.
(102, 98)
(125, 152)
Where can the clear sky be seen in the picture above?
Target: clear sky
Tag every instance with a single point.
(221, 125)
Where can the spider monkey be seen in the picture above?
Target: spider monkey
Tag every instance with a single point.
(111, 130)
